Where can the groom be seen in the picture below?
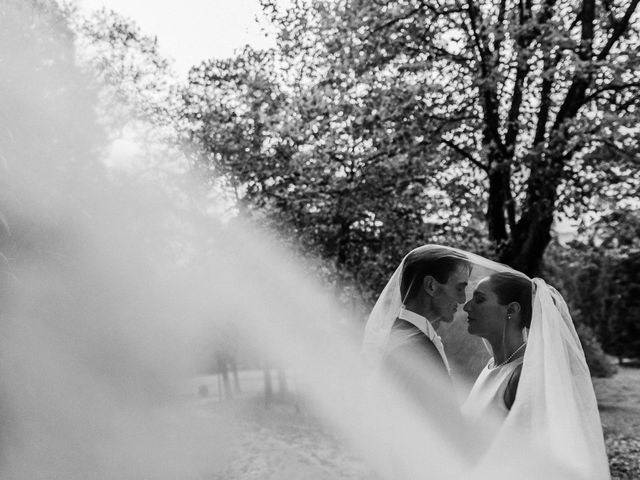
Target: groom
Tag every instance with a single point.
(432, 286)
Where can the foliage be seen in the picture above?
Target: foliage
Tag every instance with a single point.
(44, 96)
(373, 128)
(601, 277)
(47, 130)
(625, 339)
(137, 97)
(273, 139)
(597, 361)
(401, 122)
(134, 79)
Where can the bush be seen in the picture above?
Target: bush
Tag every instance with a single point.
(598, 362)
(602, 288)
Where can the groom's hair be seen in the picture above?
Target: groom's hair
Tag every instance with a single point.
(439, 263)
(512, 287)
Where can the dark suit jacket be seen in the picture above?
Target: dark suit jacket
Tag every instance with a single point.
(417, 369)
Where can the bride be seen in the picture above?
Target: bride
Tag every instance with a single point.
(534, 400)
(500, 312)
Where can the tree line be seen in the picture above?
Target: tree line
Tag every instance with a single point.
(373, 127)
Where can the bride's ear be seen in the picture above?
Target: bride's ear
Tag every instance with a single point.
(514, 308)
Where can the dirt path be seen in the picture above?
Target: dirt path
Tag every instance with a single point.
(282, 442)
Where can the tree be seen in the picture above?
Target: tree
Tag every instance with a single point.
(48, 126)
(48, 134)
(137, 95)
(288, 154)
(525, 93)
(136, 82)
(45, 101)
(511, 106)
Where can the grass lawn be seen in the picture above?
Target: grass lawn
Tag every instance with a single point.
(619, 403)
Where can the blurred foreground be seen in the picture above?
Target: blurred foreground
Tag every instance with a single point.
(285, 437)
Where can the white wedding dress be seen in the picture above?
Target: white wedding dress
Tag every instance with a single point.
(486, 398)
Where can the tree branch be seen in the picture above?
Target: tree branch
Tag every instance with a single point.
(397, 19)
(511, 208)
(465, 154)
(544, 15)
(611, 87)
(588, 16)
(487, 88)
(545, 97)
(580, 145)
(499, 34)
(625, 153)
(442, 11)
(618, 29)
(522, 70)
(581, 80)
(608, 6)
(459, 59)
(473, 20)
(523, 41)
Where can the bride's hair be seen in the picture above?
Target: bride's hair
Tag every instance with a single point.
(437, 263)
(512, 287)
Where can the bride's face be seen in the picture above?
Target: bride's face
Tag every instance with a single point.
(486, 316)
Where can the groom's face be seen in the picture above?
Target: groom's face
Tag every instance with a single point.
(448, 296)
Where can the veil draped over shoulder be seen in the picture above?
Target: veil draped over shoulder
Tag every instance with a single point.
(554, 417)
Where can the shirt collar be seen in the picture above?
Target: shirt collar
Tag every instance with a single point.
(418, 321)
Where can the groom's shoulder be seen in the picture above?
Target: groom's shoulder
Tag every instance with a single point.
(410, 348)
(412, 335)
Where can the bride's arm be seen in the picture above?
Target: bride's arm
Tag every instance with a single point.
(512, 387)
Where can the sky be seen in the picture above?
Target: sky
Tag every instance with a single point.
(190, 31)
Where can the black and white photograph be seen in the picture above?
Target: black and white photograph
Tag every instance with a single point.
(319, 239)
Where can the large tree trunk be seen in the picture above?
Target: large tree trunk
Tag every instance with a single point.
(526, 249)
(532, 234)
(529, 238)
(495, 208)
(499, 206)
